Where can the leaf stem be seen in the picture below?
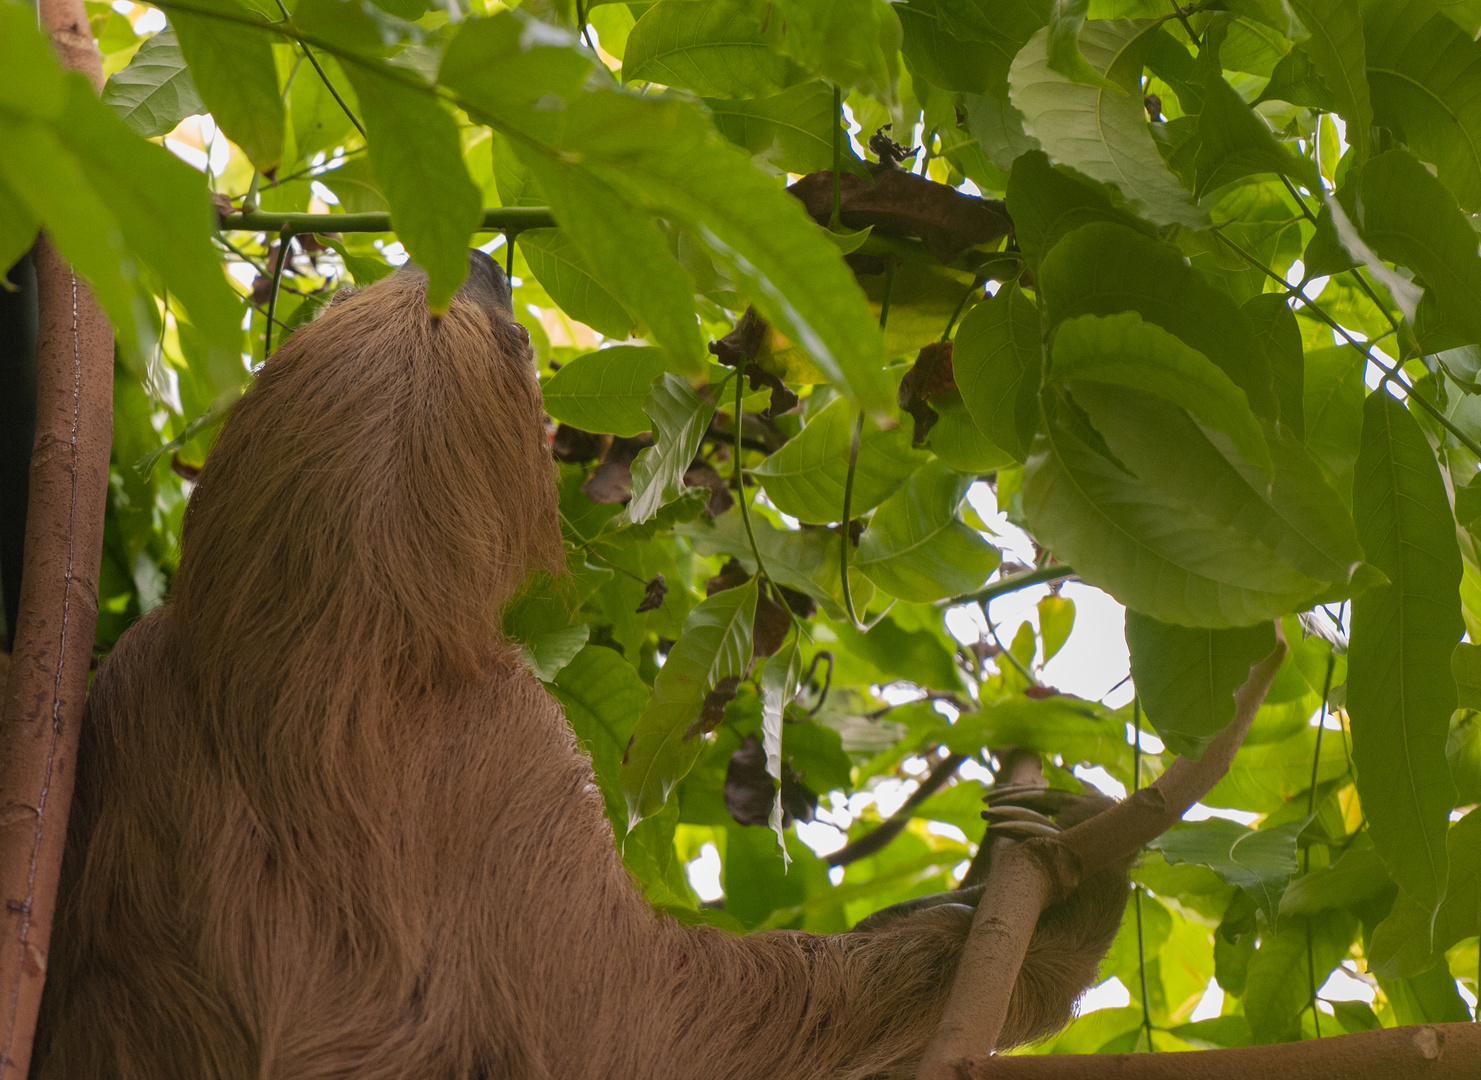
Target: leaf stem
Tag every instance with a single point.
(740, 486)
(285, 237)
(1013, 582)
(951, 323)
(1362, 346)
(1141, 945)
(324, 78)
(834, 218)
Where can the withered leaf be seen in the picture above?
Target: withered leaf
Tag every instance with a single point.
(653, 593)
(930, 375)
(770, 627)
(712, 712)
(900, 203)
(574, 446)
(609, 482)
(704, 475)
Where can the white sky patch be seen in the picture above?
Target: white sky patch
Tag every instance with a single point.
(1094, 774)
(704, 873)
(823, 838)
(1200, 812)
(1344, 985)
(950, 832)
(1211, 1004)
(151, 22)
(1111, 994)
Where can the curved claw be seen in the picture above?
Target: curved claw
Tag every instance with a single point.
(1021, 830)
(1017, 813)
(884, 916)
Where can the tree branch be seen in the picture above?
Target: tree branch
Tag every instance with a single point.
(1028, 877)
(891, 827)
(1421, 1052)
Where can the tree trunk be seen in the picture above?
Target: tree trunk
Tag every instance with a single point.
(58, 606)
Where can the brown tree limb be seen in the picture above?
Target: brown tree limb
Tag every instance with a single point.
(891, 827)
(1028, 877)
(52, 647)
(1422, 1052)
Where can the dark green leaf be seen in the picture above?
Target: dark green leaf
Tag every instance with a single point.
(1258, 861)
(1276, 328)
(1186, 678)
(154, 93)
(1334, 410)
(1080, 731)
(1048, 202)
(602, 697)
(1066, 17)
(1234, 142)
(1337, 54)
(1295, 79)
(1465, 665)
(1400, 689)
(791, 131)
(1356, 876)
(1284, 967)
(996, 359)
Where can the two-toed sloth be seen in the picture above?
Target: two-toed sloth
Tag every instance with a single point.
(327, 824)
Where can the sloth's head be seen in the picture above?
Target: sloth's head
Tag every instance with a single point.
(386, 479)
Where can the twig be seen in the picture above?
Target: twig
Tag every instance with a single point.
(285, 237)
(892, 826)
(1012, 583)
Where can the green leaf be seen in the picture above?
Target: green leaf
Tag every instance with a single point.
(1103, 268)
(997, 127)
(549, 651)
(1266, 776)
(1186, 678)
(680, 419)
(996, 360)
(605, 390)
(1276, 329)
(1259, 861)
(1079, 731)
(916, 548)
(1409, 940)
(1048, 202)
(1337, 53)
(1056, 620)
(603, 697)
(959, 442)
(418, 162)
(806, 477)
(1334, 413)
(1296, 79)
(801, 559)
(1066, 17)
(849, 42)
(231, 64)
(561, 268)
(1465, 666)
(1430, 998)
(155, 92)
(1400, 690)
(713, 47)
(778, 687)
(1235, 142)
(18, 227)
(791, 131)
(1281, 972)
(1426, 80)
(365, 269)
(165, 215)
(1356, 876)
(1122, 350)
(1101, 133)
(1408, 217)
(715, 645)
(319, 121)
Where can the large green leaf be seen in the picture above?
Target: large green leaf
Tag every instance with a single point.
(1066, 17)
(1186, 678)
(996, 359)
(849, 42)
(1337, 53)
(917, 549)
(603, 697)
(1047, 202)
(1400, 688)
(1122, 350)
(1334, 413)
(605, 390)
(806, 477)
(1426, 80)
(715, 645)
(1104, 268)
(418, 163)
(1276, 329)
(1281, 972)
(680, 419)
(792, 131)
(1408, 217)
(1264, 777)
(1234, 142)
(1465, 666)
(1188, 536)
(1259, 861)
(1079, 731)
(155, 92)
(778, 687)
(713, 47)
(1356, 876)
(1102, 133)
(232, 67)
(1410, 940)
(561, 268)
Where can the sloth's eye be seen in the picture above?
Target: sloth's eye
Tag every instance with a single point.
(524, 334)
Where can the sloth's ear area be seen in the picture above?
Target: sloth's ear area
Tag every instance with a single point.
(487, 286)
(342, 295)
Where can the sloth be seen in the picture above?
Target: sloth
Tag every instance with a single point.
(328, 825)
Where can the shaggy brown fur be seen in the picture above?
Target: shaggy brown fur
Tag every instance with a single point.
(328, 825)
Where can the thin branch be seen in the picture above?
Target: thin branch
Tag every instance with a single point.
(1012, 583)
(495, 219)
(285, 238)
(893, 825)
